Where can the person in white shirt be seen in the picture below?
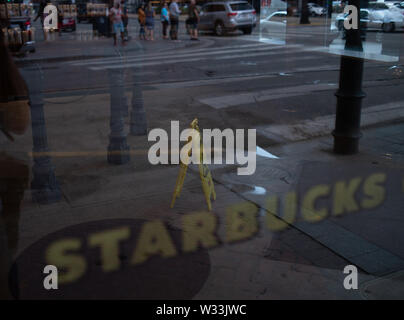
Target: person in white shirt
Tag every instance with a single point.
(174, 17)
(116, 17)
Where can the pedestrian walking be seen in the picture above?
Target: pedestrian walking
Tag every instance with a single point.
(174, 18)
(116, 18)
(193, 20)
(149, 21)
(125, 19)
(142, 22)
(41, 15)
(165, 19)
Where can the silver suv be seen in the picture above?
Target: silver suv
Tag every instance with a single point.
(223, 16)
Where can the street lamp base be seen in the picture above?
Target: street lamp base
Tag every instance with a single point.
(118, 151)
(346, 144)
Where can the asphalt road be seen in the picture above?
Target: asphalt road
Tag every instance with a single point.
(237, 81)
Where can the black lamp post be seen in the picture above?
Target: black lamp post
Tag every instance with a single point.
(349, 95)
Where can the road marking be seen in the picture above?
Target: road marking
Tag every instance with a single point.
(161, 60)
(173, 61)
(244, 55)
(236, 78)
(209, 82)
(265, 95)
(183, 53)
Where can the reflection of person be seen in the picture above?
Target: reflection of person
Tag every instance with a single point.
(13, 181)
(164, 19)
(117, 23)
(14, 119)
(193, 20)
(149, 21)
(14, 108)
(174, 18)
(40, 13)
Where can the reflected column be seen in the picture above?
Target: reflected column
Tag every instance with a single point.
(349, 94)
(118, 149)
(138, 121)
(44, 186)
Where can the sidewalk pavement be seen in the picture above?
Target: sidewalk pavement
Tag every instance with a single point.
(358, 221)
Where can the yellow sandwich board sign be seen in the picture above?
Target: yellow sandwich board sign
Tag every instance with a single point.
(204, 173)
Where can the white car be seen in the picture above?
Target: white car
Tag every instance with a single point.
(315, 9)
(274, 23)
(398, 6)
(377, 16)
(391, 3)
(380, 16)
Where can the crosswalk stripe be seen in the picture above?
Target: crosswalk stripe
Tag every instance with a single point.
(162, 62)
(168, 54)
(185, 55)
(257, 55)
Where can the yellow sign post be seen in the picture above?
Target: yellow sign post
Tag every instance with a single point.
(204, 173)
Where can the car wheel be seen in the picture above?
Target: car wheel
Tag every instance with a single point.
(247, 30)
(388, 27)
(219, 28)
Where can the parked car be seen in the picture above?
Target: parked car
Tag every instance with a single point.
(391, 3)
(274, 23)
(315, 9)
(225, 16)
(67, 24)
(20, 37)
(377, 16)
(398, 6)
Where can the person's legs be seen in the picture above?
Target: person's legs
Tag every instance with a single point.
(176, 29)
(122, 30)
(115, 28)
(165, 23)
(125, 28)
(196, 31)
(147, 32)
(172, 29)
(192, 29)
